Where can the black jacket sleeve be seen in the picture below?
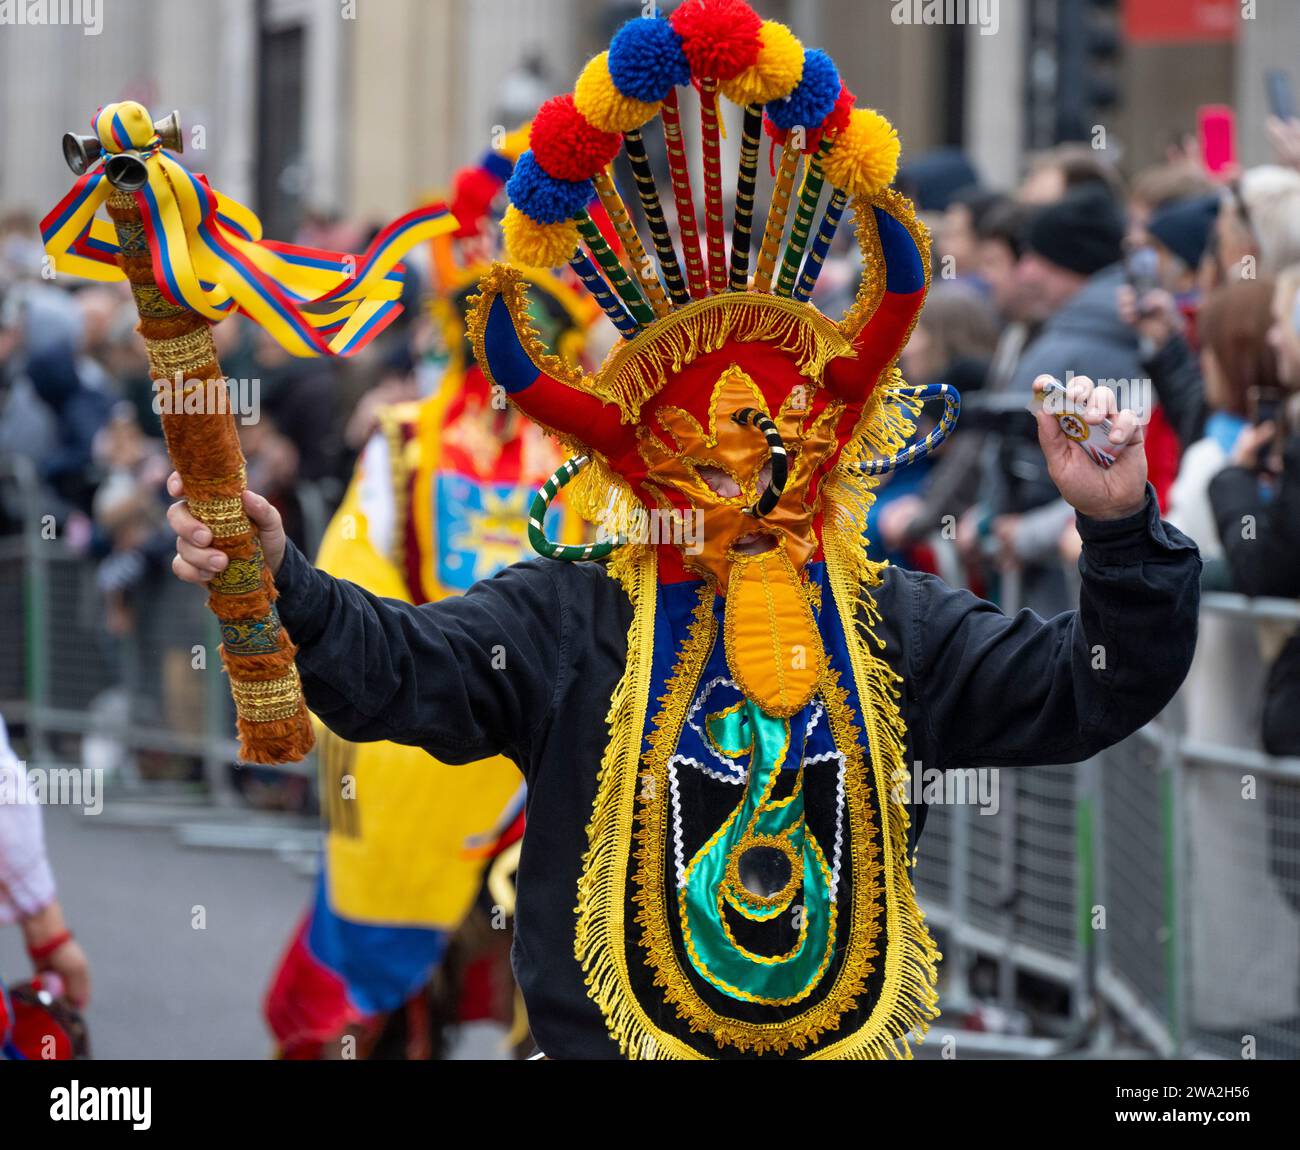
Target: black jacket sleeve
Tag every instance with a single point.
(1176, 376)
(1260, 539)
(998, 690)
(464, 678)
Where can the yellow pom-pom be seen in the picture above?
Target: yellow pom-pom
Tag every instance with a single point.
(603, 105)
(538, 245)
(776, 72)
(864, 157)
(516, 143)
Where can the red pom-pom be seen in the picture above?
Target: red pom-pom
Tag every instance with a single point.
(473, 191)
(566, 145)
(834, 123)
(720, 38)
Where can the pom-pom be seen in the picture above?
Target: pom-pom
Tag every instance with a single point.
(814, 97)
(864, 158)
(835, 123)
(646, 60)
(776, 72)
(603, 105)
(538, 245)
(566, 146)
(720, 38)
(516, 143)
(473, 191)
(543, 198)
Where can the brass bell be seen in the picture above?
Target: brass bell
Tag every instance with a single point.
(169, 131)
(79, 152)
(126, 171)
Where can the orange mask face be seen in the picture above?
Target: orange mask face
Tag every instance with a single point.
(716, 471)
(720, 467)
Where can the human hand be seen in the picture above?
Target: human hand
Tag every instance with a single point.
(196, 560)
(896, 518)
(1155, 316)
(1113, 492)
(1250, 443)
(1285, 135)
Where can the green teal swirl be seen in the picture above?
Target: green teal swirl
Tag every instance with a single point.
(712, 879)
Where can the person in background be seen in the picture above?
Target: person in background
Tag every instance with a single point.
(1055, 173)
(1256, 502)
(1155, 189)
(953, 342)
(1257, 232)
(956, 247)
(1165, 316)
(1069, 274)
(28, 896)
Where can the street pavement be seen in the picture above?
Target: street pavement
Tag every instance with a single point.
(162, 987)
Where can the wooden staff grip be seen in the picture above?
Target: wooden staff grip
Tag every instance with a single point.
(203, 442)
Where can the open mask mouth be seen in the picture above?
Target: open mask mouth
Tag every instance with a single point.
(754, 543)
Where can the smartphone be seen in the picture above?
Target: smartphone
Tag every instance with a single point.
(1142, 270)
(1217, 131)
(1268, 405)
(1092, 439)
(1281, 99)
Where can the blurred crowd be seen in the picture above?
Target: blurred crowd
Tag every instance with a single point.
(1179, 292)
(1176, 289)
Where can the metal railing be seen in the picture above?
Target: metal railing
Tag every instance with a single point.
(1156, 886)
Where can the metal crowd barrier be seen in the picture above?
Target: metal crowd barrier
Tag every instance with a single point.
(1147, 901)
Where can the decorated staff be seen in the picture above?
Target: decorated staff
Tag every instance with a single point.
(192, 257)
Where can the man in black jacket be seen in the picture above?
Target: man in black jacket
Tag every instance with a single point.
(524, 665)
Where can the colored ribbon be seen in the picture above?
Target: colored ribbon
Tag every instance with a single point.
(209, 255)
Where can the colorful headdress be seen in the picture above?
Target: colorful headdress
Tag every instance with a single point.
(727, 448)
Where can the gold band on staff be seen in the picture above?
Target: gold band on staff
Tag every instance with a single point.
(266, 700)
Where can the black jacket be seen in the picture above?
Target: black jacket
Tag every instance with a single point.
(1261, 539)
(524, 664)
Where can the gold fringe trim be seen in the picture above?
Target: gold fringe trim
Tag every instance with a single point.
(909, 1000)
(638, 369)
(600, 936)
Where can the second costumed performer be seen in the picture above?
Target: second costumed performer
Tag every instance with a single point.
(717, 735)
(439, 499)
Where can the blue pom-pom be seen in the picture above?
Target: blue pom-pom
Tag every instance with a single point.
(813, 98)
(646, 60)
(543, 198)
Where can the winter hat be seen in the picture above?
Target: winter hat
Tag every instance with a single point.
(1185, 226)
(1083, 232)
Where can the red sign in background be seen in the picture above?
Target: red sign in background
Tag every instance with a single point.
(1162, 21)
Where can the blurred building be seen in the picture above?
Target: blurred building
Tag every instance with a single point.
(362, 106)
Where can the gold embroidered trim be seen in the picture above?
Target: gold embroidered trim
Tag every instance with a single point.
(182, 353)
(390, 426)
(223, 517)
(264, 701)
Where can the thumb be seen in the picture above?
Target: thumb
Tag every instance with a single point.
(1052, 439)
(269, 526)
